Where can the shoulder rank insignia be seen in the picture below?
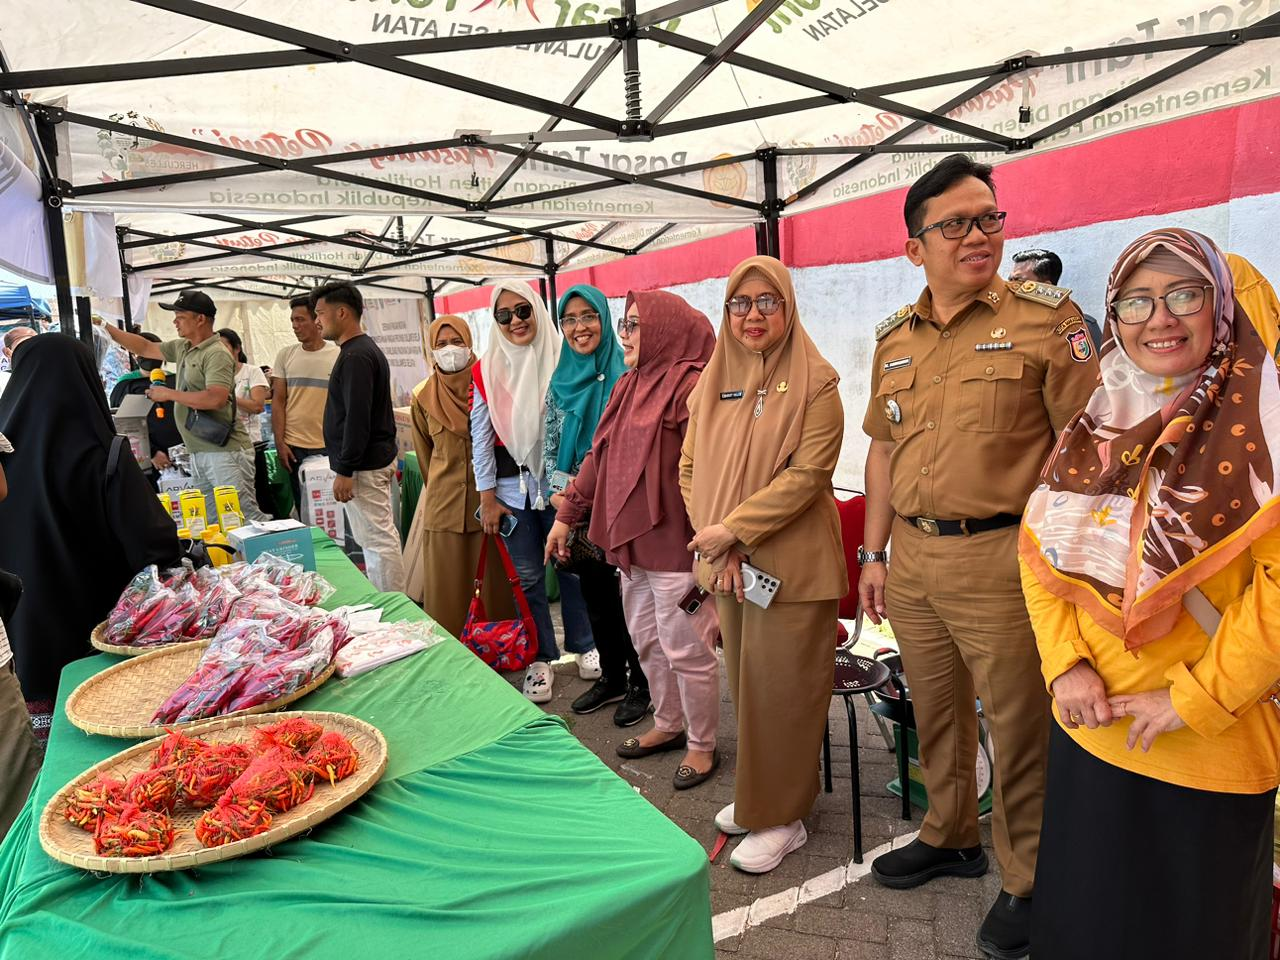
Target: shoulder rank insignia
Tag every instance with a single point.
(1045, 293)
(893, 321)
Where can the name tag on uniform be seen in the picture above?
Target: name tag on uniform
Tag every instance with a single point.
(897, 364)
(731, 395)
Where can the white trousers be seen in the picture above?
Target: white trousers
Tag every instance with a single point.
(374, 528)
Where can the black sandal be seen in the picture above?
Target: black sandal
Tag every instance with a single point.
(686, 776)
(630, 749)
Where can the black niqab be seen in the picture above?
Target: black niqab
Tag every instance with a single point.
(74, 535)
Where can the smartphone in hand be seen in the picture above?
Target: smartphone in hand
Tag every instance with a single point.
(506, 526)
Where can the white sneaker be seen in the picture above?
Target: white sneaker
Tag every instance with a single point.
(538, 679)
(726, 824)
(588, 664)
(764, 849)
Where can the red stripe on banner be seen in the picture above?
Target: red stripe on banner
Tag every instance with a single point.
(1181, 165)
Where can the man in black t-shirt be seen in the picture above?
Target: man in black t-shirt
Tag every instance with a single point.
(360, 433)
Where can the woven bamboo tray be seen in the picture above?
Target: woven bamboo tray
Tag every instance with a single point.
(121, 700)
(97, 639)
(67, 843)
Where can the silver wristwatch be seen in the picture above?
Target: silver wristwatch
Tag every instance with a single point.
(872, 556)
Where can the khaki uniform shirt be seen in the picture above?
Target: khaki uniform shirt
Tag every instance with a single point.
(448, 483)
(973, 406)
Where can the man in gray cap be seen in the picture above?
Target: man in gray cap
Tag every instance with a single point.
(203, 402)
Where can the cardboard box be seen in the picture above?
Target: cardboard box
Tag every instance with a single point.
(319, 508)
(131, 423)
(287, 539)
(404, 433)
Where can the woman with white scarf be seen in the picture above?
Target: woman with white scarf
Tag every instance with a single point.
(507, 428)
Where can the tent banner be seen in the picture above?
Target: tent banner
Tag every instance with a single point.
(305, 112)
(397, 326)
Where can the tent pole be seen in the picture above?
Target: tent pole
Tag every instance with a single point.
(84, 316)
(53, 223)
(768, 240)
(552, 297)
(431, 302)
(126, 308)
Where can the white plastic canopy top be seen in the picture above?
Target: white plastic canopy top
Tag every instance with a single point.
(472, 139)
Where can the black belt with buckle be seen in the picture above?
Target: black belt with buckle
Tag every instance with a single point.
(957, 528)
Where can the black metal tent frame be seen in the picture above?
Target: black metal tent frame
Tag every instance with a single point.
(624, 35)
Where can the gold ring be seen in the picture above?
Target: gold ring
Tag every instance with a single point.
(1076, 718)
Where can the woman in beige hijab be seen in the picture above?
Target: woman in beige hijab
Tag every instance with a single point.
(442, 436)
(764, 438)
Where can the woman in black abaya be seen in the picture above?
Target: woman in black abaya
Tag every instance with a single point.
(74, 530)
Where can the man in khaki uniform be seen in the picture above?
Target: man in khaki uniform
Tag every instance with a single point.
(969, 387)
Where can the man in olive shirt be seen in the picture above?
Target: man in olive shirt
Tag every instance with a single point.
(300, 389)
(205, 382)
(969, 387)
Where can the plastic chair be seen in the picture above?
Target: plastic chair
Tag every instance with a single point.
(856, 674)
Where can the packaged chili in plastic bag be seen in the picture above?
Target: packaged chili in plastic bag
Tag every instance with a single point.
(121, 622)
(215, 607)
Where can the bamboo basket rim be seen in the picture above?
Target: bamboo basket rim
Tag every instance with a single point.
(67, 843)
(97, 641)
(157, 661)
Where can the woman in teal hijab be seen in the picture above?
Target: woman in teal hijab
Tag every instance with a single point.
(590, 364)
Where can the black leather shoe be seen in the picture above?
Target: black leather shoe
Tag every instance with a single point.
(633, 708)
(918, 863)
(1006, 933)
(602, 692)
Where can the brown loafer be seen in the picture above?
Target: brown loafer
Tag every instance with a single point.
(687, 776)
(630, 748)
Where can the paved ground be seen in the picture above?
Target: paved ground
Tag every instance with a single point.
(818, 903)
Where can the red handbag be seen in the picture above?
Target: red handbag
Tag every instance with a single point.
(502, 644)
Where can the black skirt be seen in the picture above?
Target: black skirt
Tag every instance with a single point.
(1132, 868)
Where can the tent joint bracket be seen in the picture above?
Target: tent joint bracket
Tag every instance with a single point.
(622, 28)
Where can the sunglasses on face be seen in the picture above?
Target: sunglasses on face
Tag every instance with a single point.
(766, 303)
(957, 228)
(505, 315)
(588, 319)
(627, 325)
(1182, 302)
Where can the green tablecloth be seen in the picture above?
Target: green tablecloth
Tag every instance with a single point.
(493, 834)
(410, 490)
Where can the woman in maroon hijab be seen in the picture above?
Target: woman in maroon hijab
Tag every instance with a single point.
(630, 485)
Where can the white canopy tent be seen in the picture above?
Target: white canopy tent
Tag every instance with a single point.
(254, 144)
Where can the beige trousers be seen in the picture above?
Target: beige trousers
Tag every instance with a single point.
(956, 607)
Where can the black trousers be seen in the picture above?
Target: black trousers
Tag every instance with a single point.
(603, 594)
(1132, 868)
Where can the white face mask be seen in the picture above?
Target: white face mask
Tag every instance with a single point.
(451, 359)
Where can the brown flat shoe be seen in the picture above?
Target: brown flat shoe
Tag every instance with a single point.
(630, 748)
(687, 776)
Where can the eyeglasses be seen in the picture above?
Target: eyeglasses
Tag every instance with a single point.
(766, 303)
(957, 228)
(627, 325)
(504, 316)
(588, 319)
(1182, 302)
